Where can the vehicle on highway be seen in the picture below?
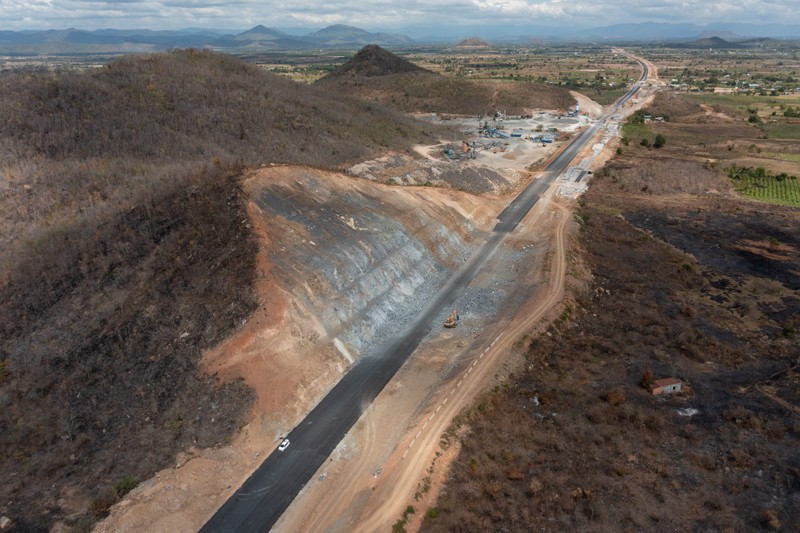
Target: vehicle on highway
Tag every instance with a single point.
(283, 445)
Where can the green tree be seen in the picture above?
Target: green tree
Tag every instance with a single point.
(659, 141)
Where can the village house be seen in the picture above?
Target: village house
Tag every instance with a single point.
(666, 386)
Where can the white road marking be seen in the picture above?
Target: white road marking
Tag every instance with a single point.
(343, 350)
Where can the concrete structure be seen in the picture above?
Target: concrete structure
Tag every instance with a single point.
(666, 386)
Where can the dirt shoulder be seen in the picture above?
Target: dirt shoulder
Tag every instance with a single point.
(285, 350)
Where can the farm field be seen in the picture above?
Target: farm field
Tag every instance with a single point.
(760, 185)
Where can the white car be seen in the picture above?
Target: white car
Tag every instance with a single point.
(283, 445)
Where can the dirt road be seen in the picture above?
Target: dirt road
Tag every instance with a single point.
(380, 464)
(383, 475)
(420, 452)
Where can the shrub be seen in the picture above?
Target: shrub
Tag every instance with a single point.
(659, 141)
(616, 397)
(125, 485)
(647, 378)
(5, 373)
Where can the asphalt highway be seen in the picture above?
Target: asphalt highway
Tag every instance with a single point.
(269, 491)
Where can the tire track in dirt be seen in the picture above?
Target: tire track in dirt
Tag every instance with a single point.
(397, 491)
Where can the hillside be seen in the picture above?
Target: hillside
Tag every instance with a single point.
(126, 251)
(377, 75)
(673, 275)
(472, 43)
(715, 43)
(372, 60)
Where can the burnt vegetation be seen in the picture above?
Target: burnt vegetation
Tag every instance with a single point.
(127, 250)
(687, 281)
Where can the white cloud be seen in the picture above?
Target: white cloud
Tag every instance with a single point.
(373, 15)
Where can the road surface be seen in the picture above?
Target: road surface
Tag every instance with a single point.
(269, 491)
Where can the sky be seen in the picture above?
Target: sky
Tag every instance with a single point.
(386, 15)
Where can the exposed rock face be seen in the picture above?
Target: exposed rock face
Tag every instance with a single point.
(367, 264)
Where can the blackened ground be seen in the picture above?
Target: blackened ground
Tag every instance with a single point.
(686, 281)
(754, 243)
(575, 443)
(102, 336)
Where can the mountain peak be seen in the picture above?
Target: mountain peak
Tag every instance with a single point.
(372, 60)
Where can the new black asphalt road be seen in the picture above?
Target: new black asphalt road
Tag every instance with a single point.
(263, 498)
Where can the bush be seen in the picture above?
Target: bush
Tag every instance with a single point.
(616, 397)
(125, 485)
(644, 142)
(647, 378)
(659, 141)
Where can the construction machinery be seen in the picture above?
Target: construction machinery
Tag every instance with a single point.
(452, 320)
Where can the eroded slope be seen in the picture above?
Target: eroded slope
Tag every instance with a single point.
(340, 258)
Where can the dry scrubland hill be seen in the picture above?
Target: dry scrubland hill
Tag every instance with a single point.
(126, 251)
(374, 74)
(372, 60)
(686, 280)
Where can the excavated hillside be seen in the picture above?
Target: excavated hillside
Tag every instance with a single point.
(348, 262)
(126, 251)
(131, 245)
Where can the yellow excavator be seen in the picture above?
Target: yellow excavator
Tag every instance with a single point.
(452, 320)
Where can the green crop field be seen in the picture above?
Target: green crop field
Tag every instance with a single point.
(782, 130)
(783, 157)
(765, 187)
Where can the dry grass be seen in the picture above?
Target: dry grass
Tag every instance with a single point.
(423, 92)
(126, 251)
(689, 282)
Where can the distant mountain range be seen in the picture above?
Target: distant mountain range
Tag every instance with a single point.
(341, 36)
(711, 43)
(259, 37)
(656, 31)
